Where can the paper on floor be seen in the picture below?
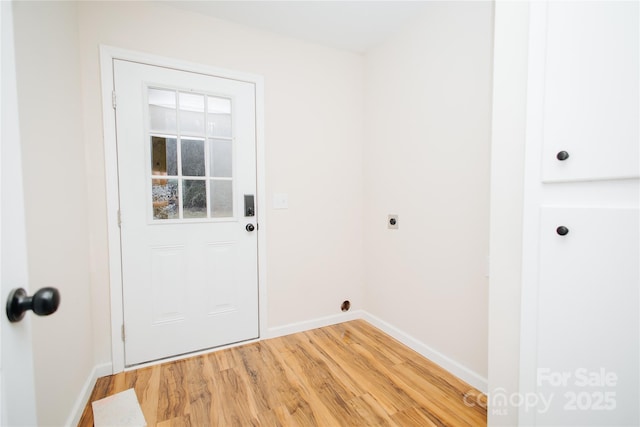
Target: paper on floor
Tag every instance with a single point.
(120, 410)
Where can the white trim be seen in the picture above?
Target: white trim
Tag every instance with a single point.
(320, 322)
(85, 394)
(445, 362)
(453, 367)
(261, 206)
(537, 46)
(107, 55)
(113, 232)
(465, 374)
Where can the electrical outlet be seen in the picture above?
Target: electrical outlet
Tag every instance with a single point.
(392, 221)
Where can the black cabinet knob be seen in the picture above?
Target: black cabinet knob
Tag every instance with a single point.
(43, 303)
(562, 230)
(562, 155)
(249, 228)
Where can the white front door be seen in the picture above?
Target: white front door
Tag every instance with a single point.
(17, 390)
(187, 177)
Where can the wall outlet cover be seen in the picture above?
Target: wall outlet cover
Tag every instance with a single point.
(280, 201)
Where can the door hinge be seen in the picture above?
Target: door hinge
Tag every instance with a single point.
(119, 219)
(113, 99)
(123, 332)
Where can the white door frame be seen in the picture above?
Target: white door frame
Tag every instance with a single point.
(107, 55)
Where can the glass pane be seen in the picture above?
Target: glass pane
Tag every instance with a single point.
(191, 114)
(221, 199)
(162, 110)
(218, 105)
(194, 198)
(221, 158)
(164, 196)
(192, 152)
(164, 160)
(218, 116)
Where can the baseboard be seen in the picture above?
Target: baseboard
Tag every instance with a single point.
(307, 325)
(445, 362)
(457, 369)
(97, 372)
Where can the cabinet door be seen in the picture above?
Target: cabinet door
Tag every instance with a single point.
(591, 92)
(588, 316)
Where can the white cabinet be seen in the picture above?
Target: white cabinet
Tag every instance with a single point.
(591, 91)
(588, 315)
(580, 330)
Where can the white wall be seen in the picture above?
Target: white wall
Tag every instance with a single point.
(47, 65)
(314, 120)
(426, 157)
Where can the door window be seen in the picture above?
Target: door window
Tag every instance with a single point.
(191, 149)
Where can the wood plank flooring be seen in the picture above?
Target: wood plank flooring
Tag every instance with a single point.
(350, 374)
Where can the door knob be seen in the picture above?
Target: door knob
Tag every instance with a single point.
(43, 303)
(562, 230)
(562, 156)
(249, 227)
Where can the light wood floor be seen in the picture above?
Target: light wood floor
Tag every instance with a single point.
(350, 374)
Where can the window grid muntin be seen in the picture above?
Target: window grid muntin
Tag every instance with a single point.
(208, 176)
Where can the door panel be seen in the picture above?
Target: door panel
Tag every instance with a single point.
(591, 92)
(168, 268)
(186, 158)
(222, 286)
(588, 316)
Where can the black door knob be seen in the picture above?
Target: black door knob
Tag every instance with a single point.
(562, 155)
(250, 227)
(562, 230)
(43, 303)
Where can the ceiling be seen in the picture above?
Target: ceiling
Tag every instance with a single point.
(356, 26)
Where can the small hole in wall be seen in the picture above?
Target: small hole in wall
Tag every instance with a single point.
(346, 305)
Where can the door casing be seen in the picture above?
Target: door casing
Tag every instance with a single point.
(107, 55)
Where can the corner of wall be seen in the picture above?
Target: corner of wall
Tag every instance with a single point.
(427, 159)
(82, 400)
(454, 367)
(459, 370)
